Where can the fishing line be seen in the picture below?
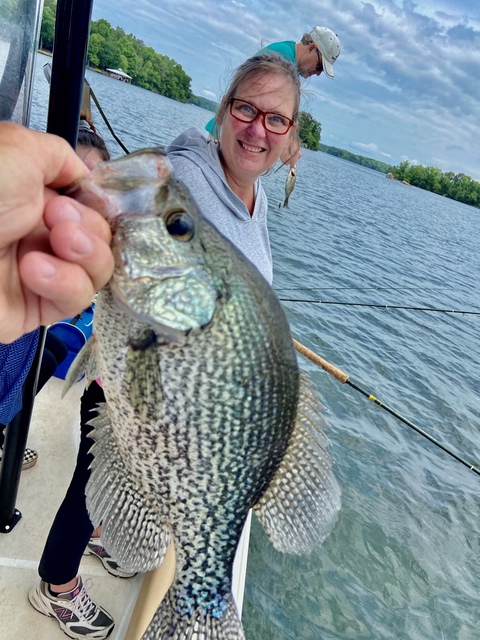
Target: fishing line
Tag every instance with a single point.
(365, 289)
(384, 306)
(344, 378)
(105, 119)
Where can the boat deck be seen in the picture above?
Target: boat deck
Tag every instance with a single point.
(54, 434)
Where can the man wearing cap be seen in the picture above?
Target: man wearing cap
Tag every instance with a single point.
(316, 52)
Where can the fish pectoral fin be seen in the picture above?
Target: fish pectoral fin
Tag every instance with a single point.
(300, 506)
(85, 363)
(142, 380)
(132, 530)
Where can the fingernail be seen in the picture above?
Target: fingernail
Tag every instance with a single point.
(47, 269)
(69, 212)
(81, 243)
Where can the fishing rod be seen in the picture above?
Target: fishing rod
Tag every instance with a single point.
(344, 378)
(385, 306)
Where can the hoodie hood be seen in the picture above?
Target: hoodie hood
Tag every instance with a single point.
(204, 154)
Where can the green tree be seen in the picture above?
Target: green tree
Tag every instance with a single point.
(309, 130)
(109, 55)
(455, 186)
(47, 29)
(102, 27)
(95, 44)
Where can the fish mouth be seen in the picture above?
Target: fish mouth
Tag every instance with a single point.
(251, 148)
(160, 273)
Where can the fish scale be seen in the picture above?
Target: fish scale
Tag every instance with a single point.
(206, 412)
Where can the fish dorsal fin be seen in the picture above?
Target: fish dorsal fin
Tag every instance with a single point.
(142, 379)
(300, 506)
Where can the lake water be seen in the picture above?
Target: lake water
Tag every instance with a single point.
(404, 560)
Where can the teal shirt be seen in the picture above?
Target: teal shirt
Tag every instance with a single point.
(286, 49)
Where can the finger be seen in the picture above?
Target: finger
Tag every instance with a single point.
(73, 242)
(64, 288)
(43, 156)
(62, 208)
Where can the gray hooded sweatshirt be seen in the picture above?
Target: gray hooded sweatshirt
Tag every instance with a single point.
(197, 164)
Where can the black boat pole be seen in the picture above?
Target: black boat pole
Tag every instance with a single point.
(72, 27)
(344, 378)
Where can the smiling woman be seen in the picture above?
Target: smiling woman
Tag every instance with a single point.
(258, 118)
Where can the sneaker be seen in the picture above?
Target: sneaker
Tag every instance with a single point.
(95, 548)
(30, 458)
(75, 612)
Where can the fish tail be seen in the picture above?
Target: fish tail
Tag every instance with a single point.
(285, 202)
(132, 531)
(169, 623)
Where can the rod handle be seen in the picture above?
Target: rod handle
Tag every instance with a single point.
(338, 374)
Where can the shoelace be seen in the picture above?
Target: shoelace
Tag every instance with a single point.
(83, 603)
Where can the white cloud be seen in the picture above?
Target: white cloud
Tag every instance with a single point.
(403, 82)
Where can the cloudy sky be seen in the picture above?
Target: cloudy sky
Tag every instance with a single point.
(407, 83)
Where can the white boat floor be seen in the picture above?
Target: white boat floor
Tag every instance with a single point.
(54, 434)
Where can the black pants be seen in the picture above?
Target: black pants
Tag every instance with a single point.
(54, 353)
(71, 528)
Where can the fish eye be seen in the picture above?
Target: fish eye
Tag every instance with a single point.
(180, 225)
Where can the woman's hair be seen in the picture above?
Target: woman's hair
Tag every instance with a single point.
(265, 64)
(88, 137)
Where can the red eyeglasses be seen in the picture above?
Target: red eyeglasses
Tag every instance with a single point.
(273, 122)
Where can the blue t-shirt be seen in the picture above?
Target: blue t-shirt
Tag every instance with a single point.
(15, 363)
(286, 49)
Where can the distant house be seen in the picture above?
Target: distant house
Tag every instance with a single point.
(118, 74)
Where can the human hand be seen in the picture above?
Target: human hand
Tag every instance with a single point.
(54, 252)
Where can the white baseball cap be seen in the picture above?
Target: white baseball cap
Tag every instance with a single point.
(328, 44)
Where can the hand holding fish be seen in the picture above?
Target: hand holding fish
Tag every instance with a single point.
(54, 252)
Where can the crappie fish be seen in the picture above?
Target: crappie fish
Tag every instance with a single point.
(206, 412)
(289, 184)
